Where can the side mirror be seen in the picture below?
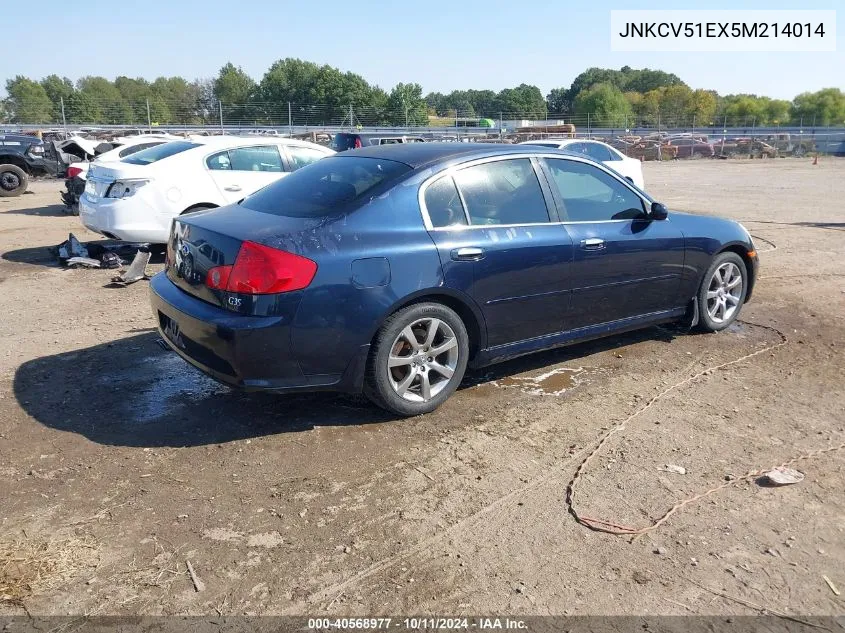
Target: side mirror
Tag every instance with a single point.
(658, 211)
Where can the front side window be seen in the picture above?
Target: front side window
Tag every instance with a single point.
(302, 156)
(502, 192)
(444, 204)
(591, 195)
(257, 158)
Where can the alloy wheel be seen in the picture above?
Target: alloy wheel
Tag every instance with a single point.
(422, 359)
(724, 292)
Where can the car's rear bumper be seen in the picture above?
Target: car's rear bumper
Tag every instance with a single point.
(252, 353)
(130, 219)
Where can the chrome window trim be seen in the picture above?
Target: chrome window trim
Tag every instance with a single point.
(450, 171)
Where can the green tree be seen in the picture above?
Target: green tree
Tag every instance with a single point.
(104, 102)
(28, 101)
(406, 106)
(523, 101)
(605, 103)
(558, 101)
(58, 89)
(825, 107)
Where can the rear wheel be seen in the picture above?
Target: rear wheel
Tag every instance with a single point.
(722, 292)
(418, 359)
(13, 181)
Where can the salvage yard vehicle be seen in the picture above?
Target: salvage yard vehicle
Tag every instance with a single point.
(77, 173)
(689, 147)
(631, 168)
(745, 146)
(21, 157)
(136, 199)
(346, 140)
(390, 269)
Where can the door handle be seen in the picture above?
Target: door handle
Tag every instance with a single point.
(233, 188)
(467, 254)
(593, 244)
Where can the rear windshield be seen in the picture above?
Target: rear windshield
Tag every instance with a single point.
(343, 142)
(325, 187)
(159, 152)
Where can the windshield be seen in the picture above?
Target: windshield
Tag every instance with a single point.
(326, 186)
(159, 152)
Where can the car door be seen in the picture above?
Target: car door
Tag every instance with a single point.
(495, 227)
(241, 171)
(625, 264)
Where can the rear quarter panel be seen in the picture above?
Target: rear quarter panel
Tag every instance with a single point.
(369, 262)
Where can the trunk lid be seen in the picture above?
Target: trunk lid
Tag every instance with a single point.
(204, 240)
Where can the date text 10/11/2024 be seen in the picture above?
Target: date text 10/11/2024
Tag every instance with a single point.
(416, 623)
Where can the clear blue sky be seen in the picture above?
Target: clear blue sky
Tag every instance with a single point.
(442, 45)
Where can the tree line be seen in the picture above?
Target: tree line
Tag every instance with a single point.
(302, 92)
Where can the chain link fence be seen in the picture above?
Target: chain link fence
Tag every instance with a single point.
(651, 136)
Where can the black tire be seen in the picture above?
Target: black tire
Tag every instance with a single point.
(379, 380)
(708, 322)
(13, 181)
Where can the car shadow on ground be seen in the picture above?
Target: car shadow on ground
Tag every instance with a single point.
(132, 392)
(51, 210)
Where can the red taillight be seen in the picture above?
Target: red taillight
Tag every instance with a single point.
(260, 270)
(72, 172)
(358, 142)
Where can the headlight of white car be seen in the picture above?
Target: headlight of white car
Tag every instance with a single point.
(125, 188)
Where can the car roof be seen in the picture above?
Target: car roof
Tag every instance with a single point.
(422, 154)
(226, 140)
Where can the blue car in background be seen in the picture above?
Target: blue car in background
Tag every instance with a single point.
(390, 269)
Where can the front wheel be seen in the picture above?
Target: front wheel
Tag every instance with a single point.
(722, 292)
(13, 181)
(418, 359)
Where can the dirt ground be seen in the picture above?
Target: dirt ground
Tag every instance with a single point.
(120, 463)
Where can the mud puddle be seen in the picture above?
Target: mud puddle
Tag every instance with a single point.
(554, 382)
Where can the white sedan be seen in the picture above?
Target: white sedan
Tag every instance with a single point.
(123, 147)
(609, 156)
(137, 198)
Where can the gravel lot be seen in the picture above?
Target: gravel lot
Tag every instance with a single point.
(120, 463)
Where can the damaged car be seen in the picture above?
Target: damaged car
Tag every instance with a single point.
(77, 172)
(21, 157)
(390, 269)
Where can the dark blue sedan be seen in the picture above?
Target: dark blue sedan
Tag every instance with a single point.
(390, 269)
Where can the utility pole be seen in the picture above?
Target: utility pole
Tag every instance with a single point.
(290, 123)
(588, 125)
(149, 120)
(351, 118)
(64, 120)
(220, 105)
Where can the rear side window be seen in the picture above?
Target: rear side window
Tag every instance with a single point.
(502, 192)
(597, 152)
(159, 152)
(328, 186)
(444, 204)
